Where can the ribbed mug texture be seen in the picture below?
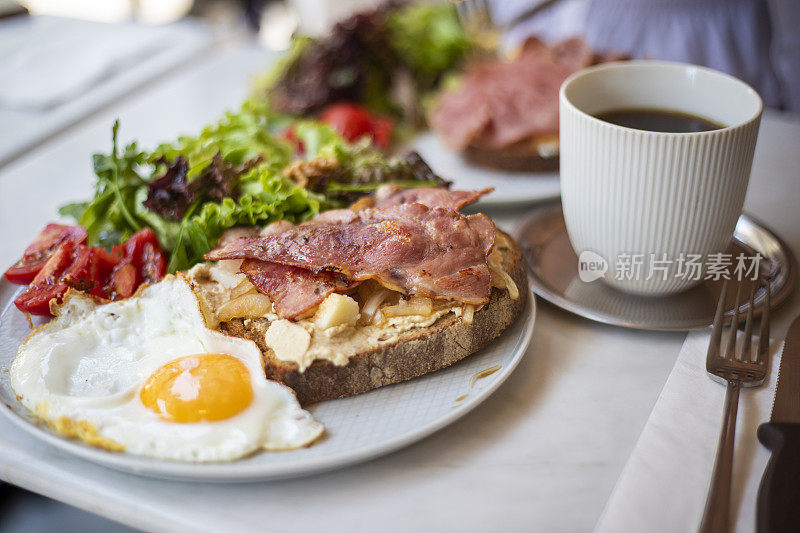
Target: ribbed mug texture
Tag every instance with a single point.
(629, 193)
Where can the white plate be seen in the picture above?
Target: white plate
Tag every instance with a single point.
(509, 187)
(357, 428)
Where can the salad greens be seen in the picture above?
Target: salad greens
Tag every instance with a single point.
(388, 59)
(360, 168)
(232, 174)
(428, 38)
(267, 196)
(118, 209)
(237, 137)
(112, 215)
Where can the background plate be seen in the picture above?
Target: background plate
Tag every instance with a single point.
(357, 428)
(553, 266)
(509, 187)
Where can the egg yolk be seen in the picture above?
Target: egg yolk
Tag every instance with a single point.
(198, 388)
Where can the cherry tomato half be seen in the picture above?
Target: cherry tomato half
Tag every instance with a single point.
(40, 250)
(144, 253)
(47, 284)
(382, 132)
(351, 121)
(124, 281)
(110, 275)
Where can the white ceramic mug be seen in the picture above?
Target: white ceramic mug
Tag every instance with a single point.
(630, 193)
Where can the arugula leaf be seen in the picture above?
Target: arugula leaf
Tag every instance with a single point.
(113, 209)
(73, 210)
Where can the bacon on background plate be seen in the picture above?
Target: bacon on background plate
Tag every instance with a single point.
(502, 102)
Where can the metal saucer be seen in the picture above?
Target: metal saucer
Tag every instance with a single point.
(553, 274)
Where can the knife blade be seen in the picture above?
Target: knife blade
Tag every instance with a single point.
(778, 504)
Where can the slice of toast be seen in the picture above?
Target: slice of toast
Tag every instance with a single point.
(537, 154)
(414, 353)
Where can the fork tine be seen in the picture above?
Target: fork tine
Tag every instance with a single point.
(483, 11)
(469, 7)
(730, 349)
(763, 334)
(462, 9)
(716, 332)
(748, 327)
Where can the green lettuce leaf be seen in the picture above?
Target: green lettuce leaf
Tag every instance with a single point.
(237, 136)
(266, 196)
(428, 38)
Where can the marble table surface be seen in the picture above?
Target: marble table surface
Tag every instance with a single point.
(543, 453)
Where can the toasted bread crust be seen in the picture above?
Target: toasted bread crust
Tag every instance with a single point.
(522, 157)
(414, 353)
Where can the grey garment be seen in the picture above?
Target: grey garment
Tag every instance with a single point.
(733, 36)
(755, 40)
(785, 50)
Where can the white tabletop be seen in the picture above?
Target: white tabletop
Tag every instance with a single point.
(23, 128)
(543, 453)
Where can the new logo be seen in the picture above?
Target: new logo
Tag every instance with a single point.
(591, 266)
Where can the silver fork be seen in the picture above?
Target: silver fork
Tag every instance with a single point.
(735, 368)
(473, 13)
(476, 19)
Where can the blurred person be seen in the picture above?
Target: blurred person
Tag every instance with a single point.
(754, 40)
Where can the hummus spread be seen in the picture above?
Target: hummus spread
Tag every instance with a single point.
(305, 340)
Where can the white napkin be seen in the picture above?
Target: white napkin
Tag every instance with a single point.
(45, 61)
(663, 485)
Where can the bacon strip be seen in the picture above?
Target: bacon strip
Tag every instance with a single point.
(390, 195)
(410, 248)
(293, 290)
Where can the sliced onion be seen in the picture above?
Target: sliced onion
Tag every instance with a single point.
(420, 300)
(245, 287)
(416, 305)
(469, 314)
(500, 277)
(247, 306)
(502, 280)
(372, 304)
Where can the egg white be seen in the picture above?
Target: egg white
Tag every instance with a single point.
(88, 365)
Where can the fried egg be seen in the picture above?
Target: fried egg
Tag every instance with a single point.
(146, 376)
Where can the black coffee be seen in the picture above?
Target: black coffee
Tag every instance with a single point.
(658, 120)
